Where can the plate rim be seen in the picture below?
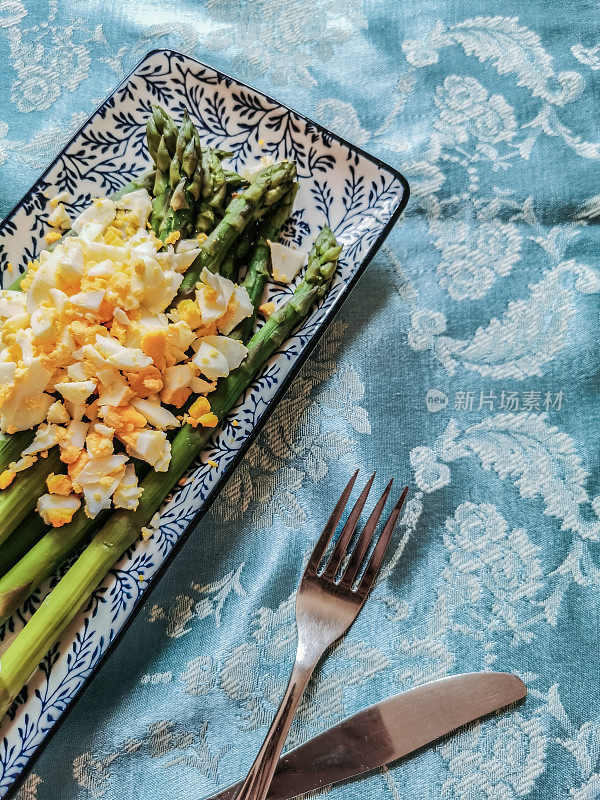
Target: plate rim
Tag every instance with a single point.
(281, 390)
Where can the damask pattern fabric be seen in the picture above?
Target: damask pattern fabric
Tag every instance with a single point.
(465, 363)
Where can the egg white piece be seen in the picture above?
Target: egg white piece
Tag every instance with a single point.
(95, 219)
(240, 307)
(76, 392)
(98, 468)
(27, 404)
(150, 446)
(139, 204)
(178, 261)
(211, 362)
(59, 218)
(44, 325)
(213, 296)
(235, 352)
(46, 436)
(11, 303)
(76, 433)
(57, 414)
(48, 504)
(127, 358)
(286, 263)
(157, 415)
(116, 393)
(127, 493)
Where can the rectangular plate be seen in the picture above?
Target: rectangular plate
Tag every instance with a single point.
(357, 195)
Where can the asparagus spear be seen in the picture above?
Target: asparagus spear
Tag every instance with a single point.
(16, 547)
(259, 267)
(161, 135)
(214, 189)
(233, 263)
(19, 499)
(234, 181)
(62, 605)
(185, 179)
(214, 183)
(267, 188)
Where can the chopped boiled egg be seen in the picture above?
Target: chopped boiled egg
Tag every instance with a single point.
(57, 510)
(59, 484)
(156, 415)
(149, 445)
(76, 392)
(201, 414)
(234, 351)
(218, 355)
(95, 219)
(211, 362)
(46, 436)
(213, 296)
(88, 301)
(127, 493)
(180, 260)
(44, 325)
(116, 393)
(139, 206)
(240, 306)
(11, 303)
(98, 480)
(57, 413)
(58, 217)
(177, 384)
(200, 386)
(26, 404)
(120, 356)
(91, 353)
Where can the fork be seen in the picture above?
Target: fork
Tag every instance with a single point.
(326, 606)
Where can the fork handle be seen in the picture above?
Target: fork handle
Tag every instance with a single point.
(257, 783)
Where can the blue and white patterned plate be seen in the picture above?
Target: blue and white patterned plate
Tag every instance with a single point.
(359, 197)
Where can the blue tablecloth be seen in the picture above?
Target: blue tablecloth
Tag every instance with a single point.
(465, 363)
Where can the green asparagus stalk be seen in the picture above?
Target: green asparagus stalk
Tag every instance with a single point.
(267, 188)
(19, 499)
(162, 135)
(214, 185)
(230, 268)
(63, 603)
(16, 547)
(185, 179)
(234, 181)
(259, 268)
(214, 190)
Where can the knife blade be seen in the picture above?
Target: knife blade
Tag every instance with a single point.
(388, 730)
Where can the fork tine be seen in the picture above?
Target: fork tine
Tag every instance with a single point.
(366, 537)
(374, 565)
(341, 546)
(328, 530)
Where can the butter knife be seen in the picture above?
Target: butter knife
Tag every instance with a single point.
(388, 730)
